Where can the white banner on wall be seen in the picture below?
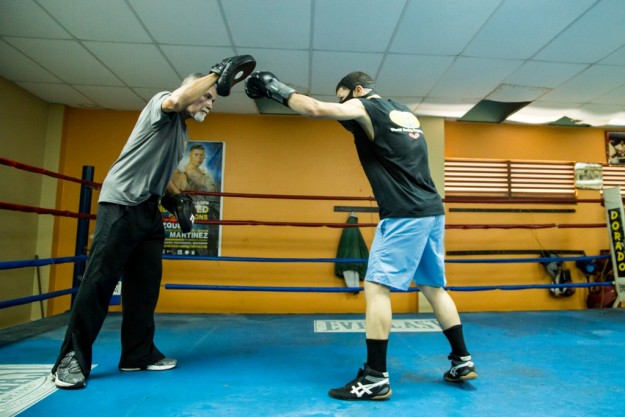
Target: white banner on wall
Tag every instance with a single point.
(588, 176)
(615, 219)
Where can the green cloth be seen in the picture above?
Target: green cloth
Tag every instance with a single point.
(351, 246)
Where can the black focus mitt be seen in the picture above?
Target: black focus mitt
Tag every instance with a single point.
(231, 71)
(181, 206)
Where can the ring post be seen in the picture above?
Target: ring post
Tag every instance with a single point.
(82, 231)
(616, 221)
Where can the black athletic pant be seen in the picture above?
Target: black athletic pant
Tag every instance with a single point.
(128, 242)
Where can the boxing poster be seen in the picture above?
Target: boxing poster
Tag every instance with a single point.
(199, 171)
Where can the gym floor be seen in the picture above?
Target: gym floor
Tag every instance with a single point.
(556, 363)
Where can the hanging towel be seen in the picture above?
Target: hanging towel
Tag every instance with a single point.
(351, 246)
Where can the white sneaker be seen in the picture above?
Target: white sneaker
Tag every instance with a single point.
(161, 365)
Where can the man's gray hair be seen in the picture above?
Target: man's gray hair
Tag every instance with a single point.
(192, 77)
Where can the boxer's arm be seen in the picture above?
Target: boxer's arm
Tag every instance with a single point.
(310, 107)
(350, 110)
(187, 94)
(266, 84)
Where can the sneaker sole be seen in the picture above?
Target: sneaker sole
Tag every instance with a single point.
(376, 398)
(67, 385)
(471, 375)
(149, 368)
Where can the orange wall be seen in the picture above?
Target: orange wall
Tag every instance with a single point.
(295, 155)
(508, 141)
(477, 140)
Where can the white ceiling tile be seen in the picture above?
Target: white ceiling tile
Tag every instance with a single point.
(466, 79)
(536, 114)
(189, 59)
(518, 29)
(601, 110)
(592, 83)
(147, 93)
(553, 106)
(411, 102)
(443, 107)
(595, 35)
(515, 93)
(112, 97)
(618, 120)
(134, 63)
(290, 66)
(329, 67)
(28, 19)
(544, 112)
(15, 66)
(237, 102)
(411, 75)
(595, 114)
(544, 74)
(57, 93)
(68, 60)
(276, 23)
(429, 54)
(616, 58)
(440, 27)
(335, 28)
(187, 22)
(616, 96)
(97, 20)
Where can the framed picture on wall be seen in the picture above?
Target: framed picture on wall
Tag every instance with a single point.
(615, 147)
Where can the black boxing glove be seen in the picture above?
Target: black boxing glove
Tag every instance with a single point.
(181, 206)
(265, 84)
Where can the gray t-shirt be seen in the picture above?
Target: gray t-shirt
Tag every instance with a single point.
(149, 158)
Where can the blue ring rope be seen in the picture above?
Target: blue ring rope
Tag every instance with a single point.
(33, 298)
(51, 261)
(259, 288)
(358, 289)
(359, 260)
(41, 262)
(526, 260)
(255, 259)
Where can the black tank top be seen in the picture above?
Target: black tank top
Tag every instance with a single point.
(396, 161)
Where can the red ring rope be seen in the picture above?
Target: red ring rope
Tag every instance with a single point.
(30, 168)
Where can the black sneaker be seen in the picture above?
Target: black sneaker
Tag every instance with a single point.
(462, 369)
(68, 374)
(160, 365)
(368, 385)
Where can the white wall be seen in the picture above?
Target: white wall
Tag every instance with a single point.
(30, 132)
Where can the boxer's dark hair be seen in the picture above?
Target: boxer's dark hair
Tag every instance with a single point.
(198, 147)
(351, 80)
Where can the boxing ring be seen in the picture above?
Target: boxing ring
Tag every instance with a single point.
(283, 364)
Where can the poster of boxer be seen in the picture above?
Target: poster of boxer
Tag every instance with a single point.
(199, 171)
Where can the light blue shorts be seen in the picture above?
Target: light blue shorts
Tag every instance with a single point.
(408, 249)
